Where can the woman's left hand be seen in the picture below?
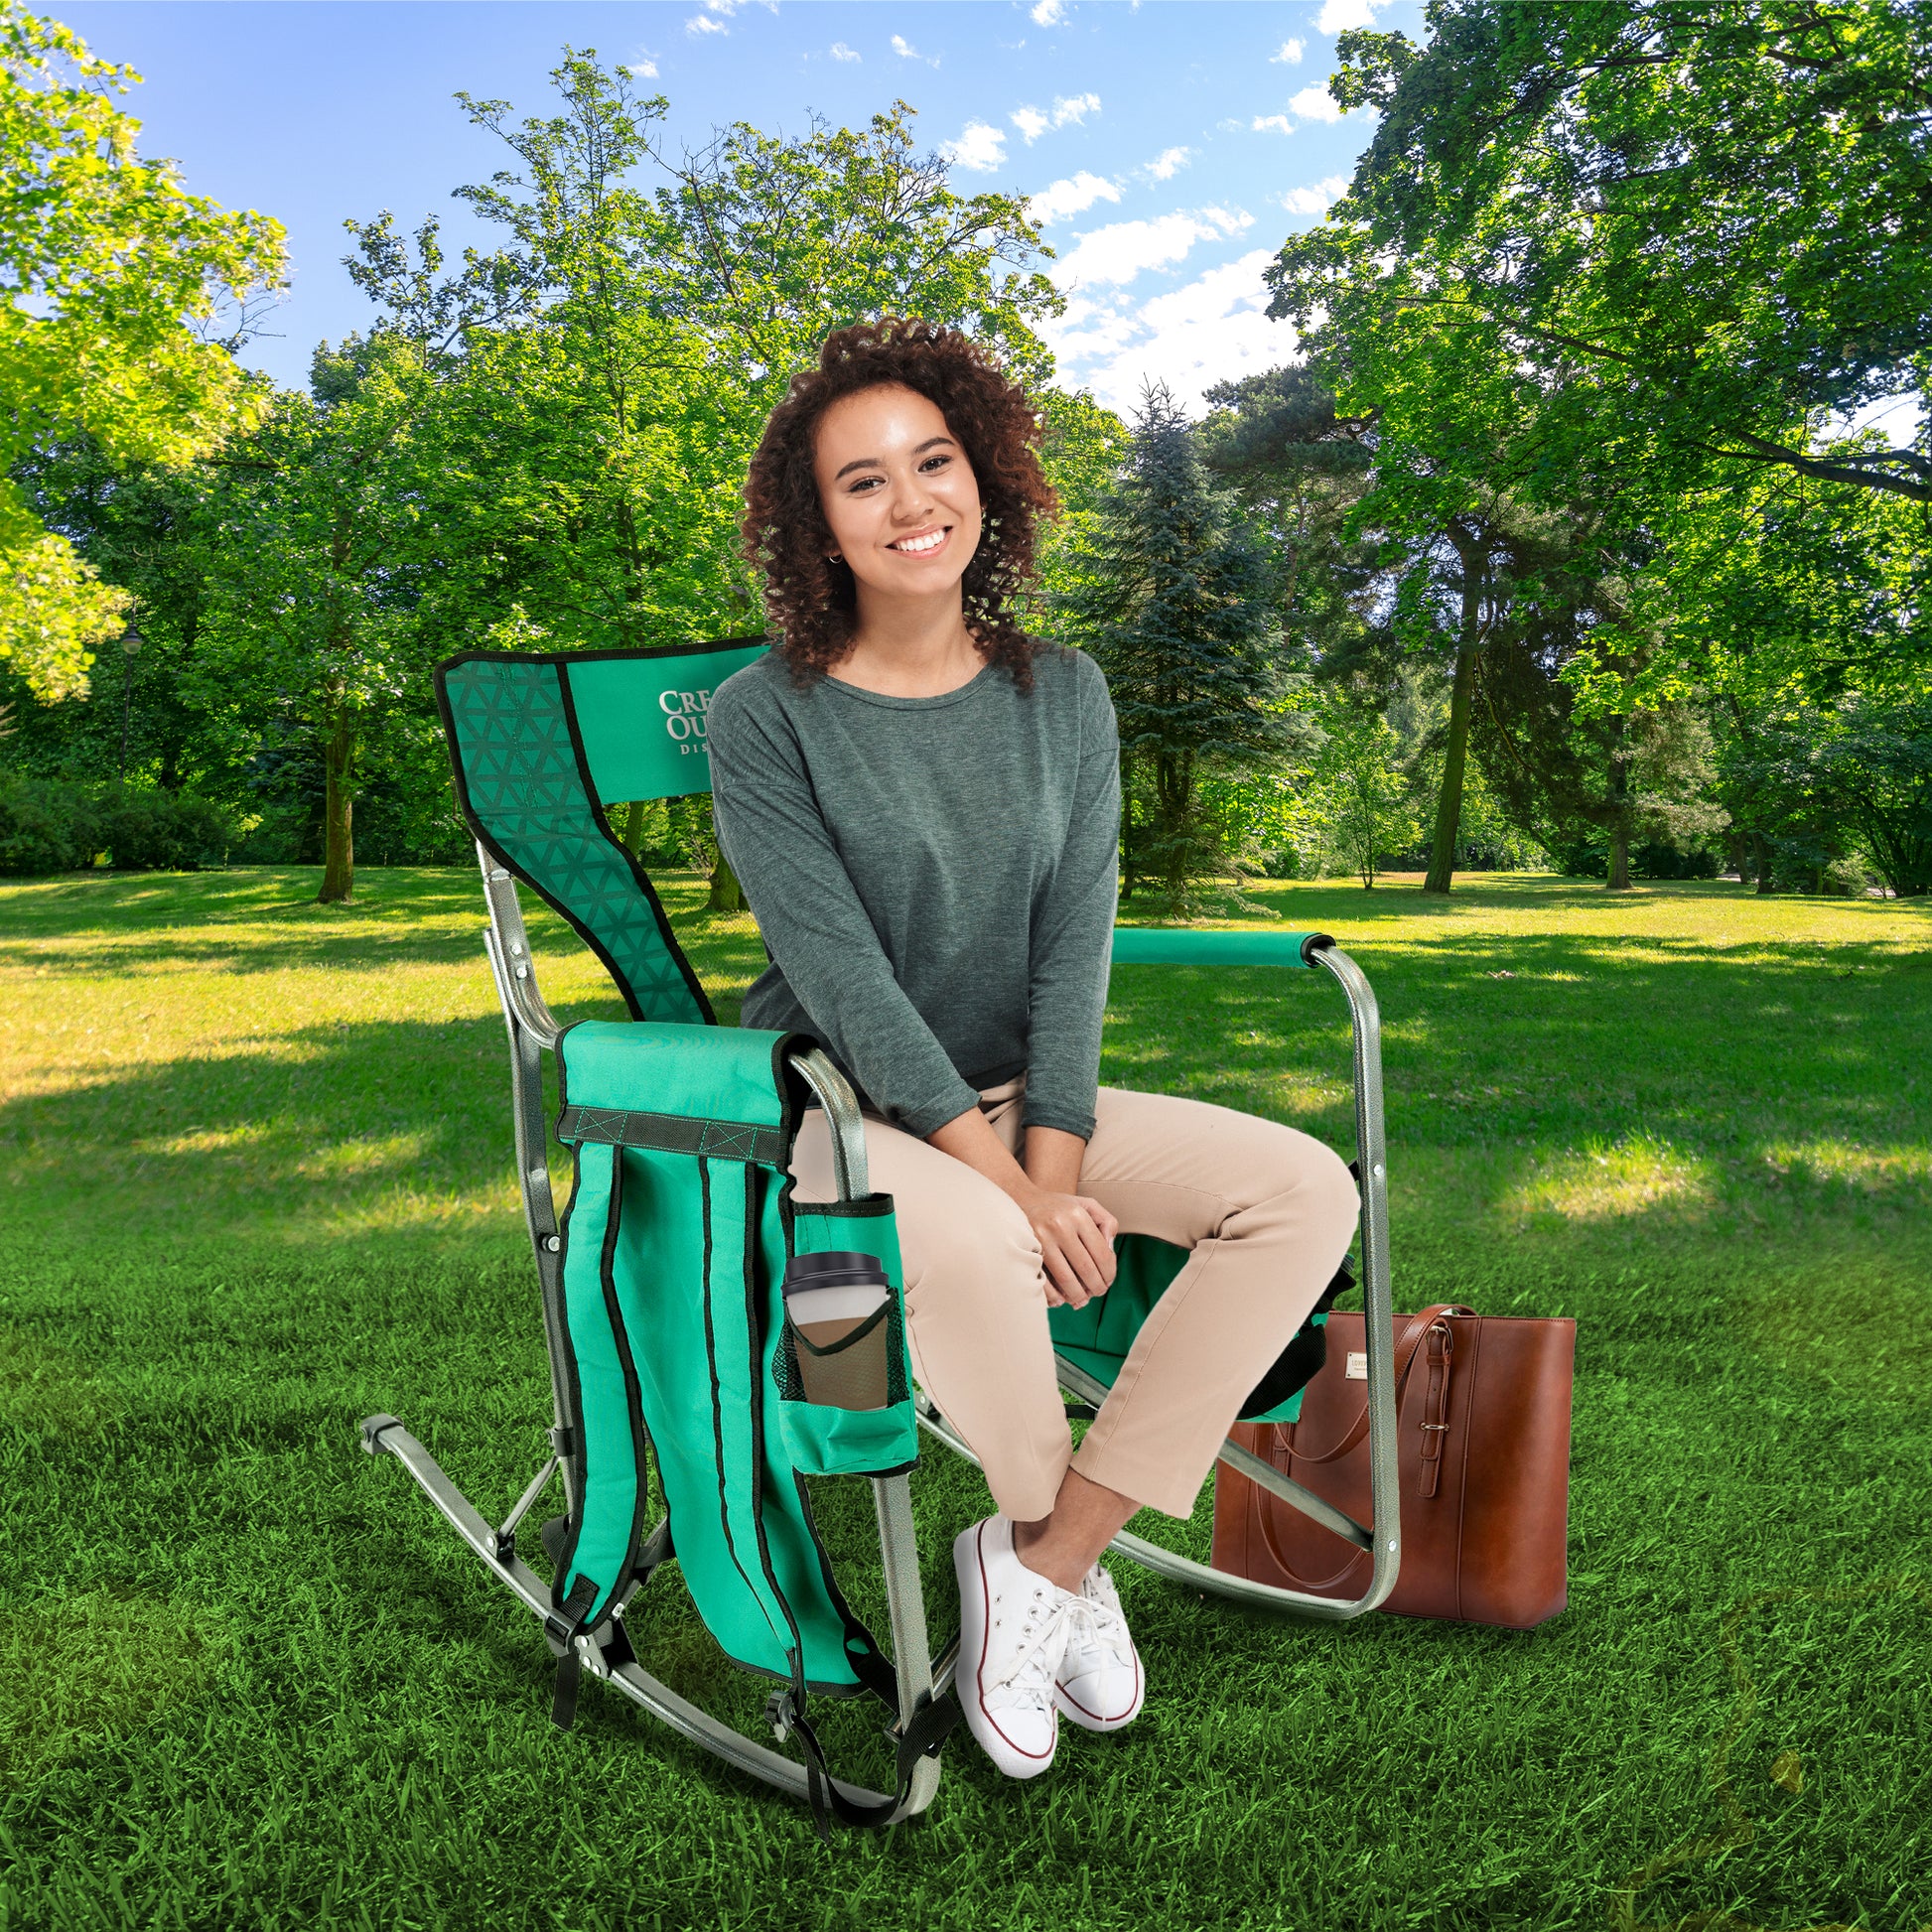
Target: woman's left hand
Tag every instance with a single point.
(1076, 1244)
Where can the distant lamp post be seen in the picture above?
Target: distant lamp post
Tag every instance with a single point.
(131, 642)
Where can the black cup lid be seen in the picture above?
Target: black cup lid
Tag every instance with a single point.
(838, 1268)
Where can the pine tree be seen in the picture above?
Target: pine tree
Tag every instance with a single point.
(1174, 598)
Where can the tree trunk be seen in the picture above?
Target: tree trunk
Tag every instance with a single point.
(727, 895)
(1448, 804)
(338, 809)
(1620, 870)
(1761, 850)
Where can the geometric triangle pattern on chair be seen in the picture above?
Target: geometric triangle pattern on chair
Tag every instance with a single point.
(525, 790)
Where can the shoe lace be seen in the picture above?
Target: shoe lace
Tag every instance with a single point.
(1039, 1646)
(1096, 1620)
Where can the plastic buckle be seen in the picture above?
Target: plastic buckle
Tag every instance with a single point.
(781, 1713)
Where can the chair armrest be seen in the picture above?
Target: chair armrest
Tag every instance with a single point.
(1149, 945)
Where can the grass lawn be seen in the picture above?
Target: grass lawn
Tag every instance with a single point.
(257, 1183)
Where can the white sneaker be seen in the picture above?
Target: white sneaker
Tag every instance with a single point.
(1012, 1630)
(1099, 1684)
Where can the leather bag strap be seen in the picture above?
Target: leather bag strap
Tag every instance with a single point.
(1407, 1343)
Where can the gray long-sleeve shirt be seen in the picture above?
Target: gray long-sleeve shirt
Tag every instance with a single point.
(935, 878)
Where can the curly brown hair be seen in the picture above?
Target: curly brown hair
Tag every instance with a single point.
(811, 600)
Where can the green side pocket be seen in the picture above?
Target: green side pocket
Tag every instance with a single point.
(827, 1442)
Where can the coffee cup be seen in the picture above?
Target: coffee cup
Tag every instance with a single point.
(836, 1306)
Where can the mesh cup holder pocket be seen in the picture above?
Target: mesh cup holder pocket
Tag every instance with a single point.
(842, 1367)
(860, 1370)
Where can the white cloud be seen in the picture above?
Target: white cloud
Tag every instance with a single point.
(840, 51)
(1049, 12)
(1316, 200)
(908, 51)
(1338, 15)
(1271, 123)
(1209, 331)
(1315, 104)
(644, 70)
(705, 24)
(1072, 196)
(1290, 55)
(1120, 251)
(980, 147)
(1168, 163)
(1067, 110)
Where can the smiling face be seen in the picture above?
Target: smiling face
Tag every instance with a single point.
(897, 492)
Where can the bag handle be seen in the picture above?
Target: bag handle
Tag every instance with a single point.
(1406, 1344)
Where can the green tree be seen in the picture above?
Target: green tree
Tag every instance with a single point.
(1174, 600)
(106, 269)
(1871, 766)
(606, 432)
(319, 566)
(1703, 226)
(1360, 798)
(1299, 470)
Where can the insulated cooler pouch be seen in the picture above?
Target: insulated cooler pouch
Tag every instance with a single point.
(824, 1440)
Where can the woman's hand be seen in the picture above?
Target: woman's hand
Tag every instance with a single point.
(1075, 1233)
(1076, 1244)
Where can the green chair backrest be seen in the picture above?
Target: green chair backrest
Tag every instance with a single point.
(543, 742)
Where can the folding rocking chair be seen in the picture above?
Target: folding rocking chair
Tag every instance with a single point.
(662, 1285)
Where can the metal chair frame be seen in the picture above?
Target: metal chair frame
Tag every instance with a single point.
(533, 1031)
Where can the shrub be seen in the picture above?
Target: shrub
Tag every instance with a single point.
(60, 828)
(44, 827)
(162, 831)
(1666, 861)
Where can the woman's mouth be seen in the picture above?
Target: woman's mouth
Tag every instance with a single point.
(923, 544)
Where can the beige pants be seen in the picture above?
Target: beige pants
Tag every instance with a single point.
(1268, 1212)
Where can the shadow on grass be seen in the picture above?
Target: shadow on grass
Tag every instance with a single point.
(265, 923)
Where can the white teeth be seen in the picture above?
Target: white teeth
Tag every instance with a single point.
(914, 545)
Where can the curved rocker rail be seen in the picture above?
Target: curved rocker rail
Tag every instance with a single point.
(384, 1434)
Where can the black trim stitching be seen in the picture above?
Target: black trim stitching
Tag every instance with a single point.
(755, 1338)
(716, 1140)
(633, 1392)
(599, 656)
(572, 1380)
(794, 1090)
(870, 1664)
(637, 872)
(862, 1207)
(718, 1416)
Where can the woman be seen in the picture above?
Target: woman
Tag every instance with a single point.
(922, 804)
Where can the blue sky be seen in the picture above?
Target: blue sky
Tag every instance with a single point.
(1174, 144)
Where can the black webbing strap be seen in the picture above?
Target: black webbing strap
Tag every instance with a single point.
(715, 1140)
(561, 1628)
(932, 1723)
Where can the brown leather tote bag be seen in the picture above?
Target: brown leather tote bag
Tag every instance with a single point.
(1482, 1404)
